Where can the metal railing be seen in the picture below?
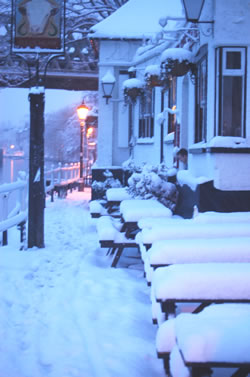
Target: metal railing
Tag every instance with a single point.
(14, 197)
(61, 175)
(13, 208)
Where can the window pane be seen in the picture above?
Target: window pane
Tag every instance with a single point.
(201, 101)
(145, 115)
(233, 60)
(232, 106)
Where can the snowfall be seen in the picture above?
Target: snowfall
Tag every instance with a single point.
(65, 312)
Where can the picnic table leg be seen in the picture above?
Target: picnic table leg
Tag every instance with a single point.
(169, 308)
(117, 256)
(166, 364)
(200, 371)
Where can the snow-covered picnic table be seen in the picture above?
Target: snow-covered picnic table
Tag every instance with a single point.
(117, 194)
(203, 283)
(189, 229)
(197, 250)
(134, 210)
(204, 217)
(218, 336)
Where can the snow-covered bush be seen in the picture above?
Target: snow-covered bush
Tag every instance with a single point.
(152, 182)
(100, 188)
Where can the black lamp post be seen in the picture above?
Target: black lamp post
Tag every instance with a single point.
(108, 83)
(82, 112)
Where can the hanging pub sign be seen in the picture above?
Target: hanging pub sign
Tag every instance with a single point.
(38, 26)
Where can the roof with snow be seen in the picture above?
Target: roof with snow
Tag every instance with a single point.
(137, 19)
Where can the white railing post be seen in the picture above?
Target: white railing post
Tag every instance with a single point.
(52, 175)
(59, 174)
(5, 215)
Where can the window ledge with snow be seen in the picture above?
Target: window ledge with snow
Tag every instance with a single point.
(145, 140)
(169, 138)
(222, 144)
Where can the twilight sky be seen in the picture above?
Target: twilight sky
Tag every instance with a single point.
(14, 104)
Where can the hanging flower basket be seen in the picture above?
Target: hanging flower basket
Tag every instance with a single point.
(153, 80)
(153, 76)
(176, 68)
(176, 61)
(132, 89)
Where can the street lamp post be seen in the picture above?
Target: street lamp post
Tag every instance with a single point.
(82, 112)
(37, 32)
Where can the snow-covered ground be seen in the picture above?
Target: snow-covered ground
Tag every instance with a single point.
(64, 312)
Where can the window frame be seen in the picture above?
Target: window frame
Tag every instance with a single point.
(146, 115)
(221, 72)
(172, 103)
(200, 133)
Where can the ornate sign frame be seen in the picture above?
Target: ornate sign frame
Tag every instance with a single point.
(38, 26)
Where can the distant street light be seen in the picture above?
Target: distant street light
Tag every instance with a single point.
(82, 112)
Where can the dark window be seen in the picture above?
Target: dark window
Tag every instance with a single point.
(146, 115)
(172, 97)
(201, 100)
(233, 60)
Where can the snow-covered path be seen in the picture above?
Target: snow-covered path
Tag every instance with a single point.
(65, 313)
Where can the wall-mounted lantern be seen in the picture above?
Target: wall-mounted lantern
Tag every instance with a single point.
(108, 83)
(193, 9)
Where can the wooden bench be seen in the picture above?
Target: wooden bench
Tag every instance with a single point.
(112, 236)
(217, 337)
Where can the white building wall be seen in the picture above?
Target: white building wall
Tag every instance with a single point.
(230, 171)
(112, 148)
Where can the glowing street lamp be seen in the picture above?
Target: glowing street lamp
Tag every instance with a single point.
(82, 112)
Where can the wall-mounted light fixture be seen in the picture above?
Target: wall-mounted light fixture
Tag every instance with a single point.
(193, 9)
(108, 83)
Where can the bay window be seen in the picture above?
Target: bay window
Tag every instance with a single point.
(230, 89)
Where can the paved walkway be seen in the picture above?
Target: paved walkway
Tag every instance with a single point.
(65, 313)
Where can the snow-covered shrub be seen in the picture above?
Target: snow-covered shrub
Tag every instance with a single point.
(152, 182)
(100, 188)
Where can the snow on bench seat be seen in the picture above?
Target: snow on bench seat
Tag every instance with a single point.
(200, 282)
(111, 237)
(117, 194)
(135, 209)
(192, 230)
(217, 217)
(197, 250)
(107, 228)
(205, 217)
(96, 209)
(218, 337)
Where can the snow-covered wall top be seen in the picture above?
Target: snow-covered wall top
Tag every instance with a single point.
(137, 19)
